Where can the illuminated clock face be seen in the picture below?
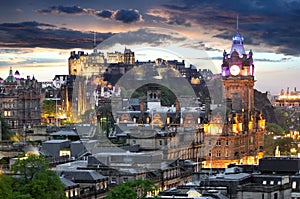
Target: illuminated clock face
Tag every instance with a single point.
(234, 70)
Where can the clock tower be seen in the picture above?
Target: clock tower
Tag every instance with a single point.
(238, 135)
(238, 76)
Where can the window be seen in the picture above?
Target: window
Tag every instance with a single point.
(218, 143)
(227, 143)
(251, 140)
(113, 180)
(264, 182)
(279, 182)
(272, 182)
(209, 153)
(275, 195)
(133, 141)
(218, 153)
(209, 142)
(294, 185)
(226, 153)
(160, 142)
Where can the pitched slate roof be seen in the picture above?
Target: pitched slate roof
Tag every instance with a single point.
(82, 176)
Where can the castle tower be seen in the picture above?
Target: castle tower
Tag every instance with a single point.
(128, 56)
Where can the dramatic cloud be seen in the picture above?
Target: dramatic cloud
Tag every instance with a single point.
(63, 9)
(125, 16)
(145, 36)
(273, 25)
(169, 17)
(200, 45)
(34, 34)
(104, 14)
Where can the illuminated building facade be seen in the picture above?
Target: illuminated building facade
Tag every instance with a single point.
(95, 63)
(287, 99)
(237, 135)
(20, 101)
(86, 65)
(86, 68)
(128, 56)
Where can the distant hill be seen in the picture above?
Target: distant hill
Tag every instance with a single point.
(261, 102)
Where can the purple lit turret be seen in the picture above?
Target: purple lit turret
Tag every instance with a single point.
(237, 63)
(17, 75)
(238, 44)
(225, 65)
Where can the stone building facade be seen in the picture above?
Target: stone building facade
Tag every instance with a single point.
(20, 101)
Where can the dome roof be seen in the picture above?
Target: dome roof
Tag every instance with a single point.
(10, 78)
(238, 44)
(237, 38)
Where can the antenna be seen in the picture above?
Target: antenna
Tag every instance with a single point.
(237, 22)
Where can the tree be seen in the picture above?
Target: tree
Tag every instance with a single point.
(285, 145)
(5, 186)
(269, 145)
(37, 182)
(48, 108)
(275, 128)
(129, 190)
(30, 166)
(167, 97)
(122, 191)
(45, 185)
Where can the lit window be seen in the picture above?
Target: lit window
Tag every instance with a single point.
(226, 153)
(264, 182)
(294, 185)
(271, 182)
(279, 182)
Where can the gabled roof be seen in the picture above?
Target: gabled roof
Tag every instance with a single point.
(83, 176)
(68, 183)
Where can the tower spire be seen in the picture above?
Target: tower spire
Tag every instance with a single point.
(94, 39)
(237, 22)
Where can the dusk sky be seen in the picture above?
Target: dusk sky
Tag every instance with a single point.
(36, 36)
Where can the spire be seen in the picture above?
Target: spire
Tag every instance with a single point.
(94, 39)
(237, 22)
(237, 41)
(10, 71)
